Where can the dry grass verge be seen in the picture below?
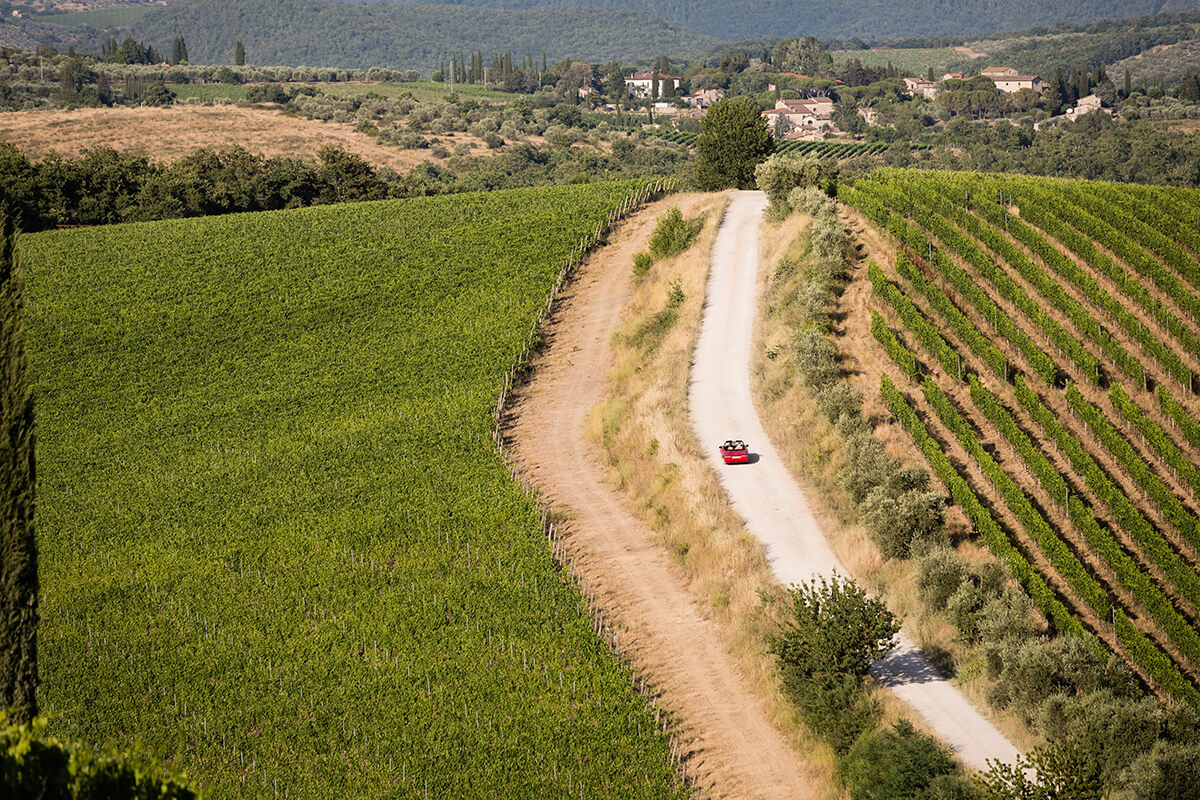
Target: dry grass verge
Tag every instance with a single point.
(646, 438)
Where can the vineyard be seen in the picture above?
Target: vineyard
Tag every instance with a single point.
(279, 548)
(819, 149)
(1043, 339)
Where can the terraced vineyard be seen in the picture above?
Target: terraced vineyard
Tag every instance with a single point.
(1045, 341)
(279, 549)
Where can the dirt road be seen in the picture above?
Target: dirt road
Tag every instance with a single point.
(767, 498)
(736, 751)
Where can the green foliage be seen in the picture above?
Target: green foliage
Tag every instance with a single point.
(839, 708)
(673, 234)
(781, 174)
(1170, 771)
(904, 521)
(940, 573)
(900, 763)
(34, 765)
(733, 140)
(964, 496)
(1053, 772)
(642, 262)
(407, 37)
(833, 634)
(18, 543)
(287, 474)
(834, 628)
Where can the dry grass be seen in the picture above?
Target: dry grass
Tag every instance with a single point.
(645, 433)
(168, 134)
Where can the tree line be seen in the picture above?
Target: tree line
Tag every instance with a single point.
(103, 186)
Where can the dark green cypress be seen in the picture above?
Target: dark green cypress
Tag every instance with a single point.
(18, 548)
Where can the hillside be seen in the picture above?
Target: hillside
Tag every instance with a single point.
(325, 33)
(1042, 353)
(867, 19)
(279, 549)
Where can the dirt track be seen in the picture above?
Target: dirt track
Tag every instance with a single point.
(736, 751)
(768, 499)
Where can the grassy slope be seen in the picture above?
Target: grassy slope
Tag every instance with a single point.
(273, 528)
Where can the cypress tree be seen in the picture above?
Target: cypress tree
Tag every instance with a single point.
(18, 547)
(1128, 83)
(239, 54)
(176, 51)
(183, 48)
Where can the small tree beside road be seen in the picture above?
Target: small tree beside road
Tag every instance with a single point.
(733, 140)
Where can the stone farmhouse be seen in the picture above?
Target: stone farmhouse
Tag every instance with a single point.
(920, 86)
(1089, 105)
(639, 85)
(801, 116)
(704, 99)
(1008, 80)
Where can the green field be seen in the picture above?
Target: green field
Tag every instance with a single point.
(278, 550)
(423, 91)
(207, 92)
(100, 18)
(916, 60)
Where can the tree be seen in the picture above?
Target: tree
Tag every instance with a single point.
(834, 629)
(805, 56)
(733, 140)
(900, 762)
(18, 546)
(239, 54)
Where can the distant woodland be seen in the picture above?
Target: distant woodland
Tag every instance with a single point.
(323, 33)
(868, 19)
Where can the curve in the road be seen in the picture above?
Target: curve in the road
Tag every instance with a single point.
(769, 500)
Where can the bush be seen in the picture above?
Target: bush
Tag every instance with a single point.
(641, 263)
(940, 573)
(839, 708)
(898, 764)
(833, 629)
(782, 173)
(672, 235)
(34, 765)
(904, 523)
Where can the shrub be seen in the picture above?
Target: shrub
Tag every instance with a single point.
(899, 763)
(782, 173)
(940, 572)
(35, 765)
(833, 629)
(904, 524)
(838, 707)
(641, 263)
(672, 234)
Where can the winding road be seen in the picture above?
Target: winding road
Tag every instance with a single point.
(764, 494)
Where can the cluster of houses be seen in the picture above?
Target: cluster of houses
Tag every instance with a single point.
(812, 117)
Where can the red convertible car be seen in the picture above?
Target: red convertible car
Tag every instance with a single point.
(735, 451)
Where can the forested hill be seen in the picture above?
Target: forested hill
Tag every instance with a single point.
(323, 33)
(866, 19)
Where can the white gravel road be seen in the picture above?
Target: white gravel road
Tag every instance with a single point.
(767, 498)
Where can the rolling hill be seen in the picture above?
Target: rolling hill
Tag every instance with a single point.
(324, 33)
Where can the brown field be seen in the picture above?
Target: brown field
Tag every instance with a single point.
(168, 134)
